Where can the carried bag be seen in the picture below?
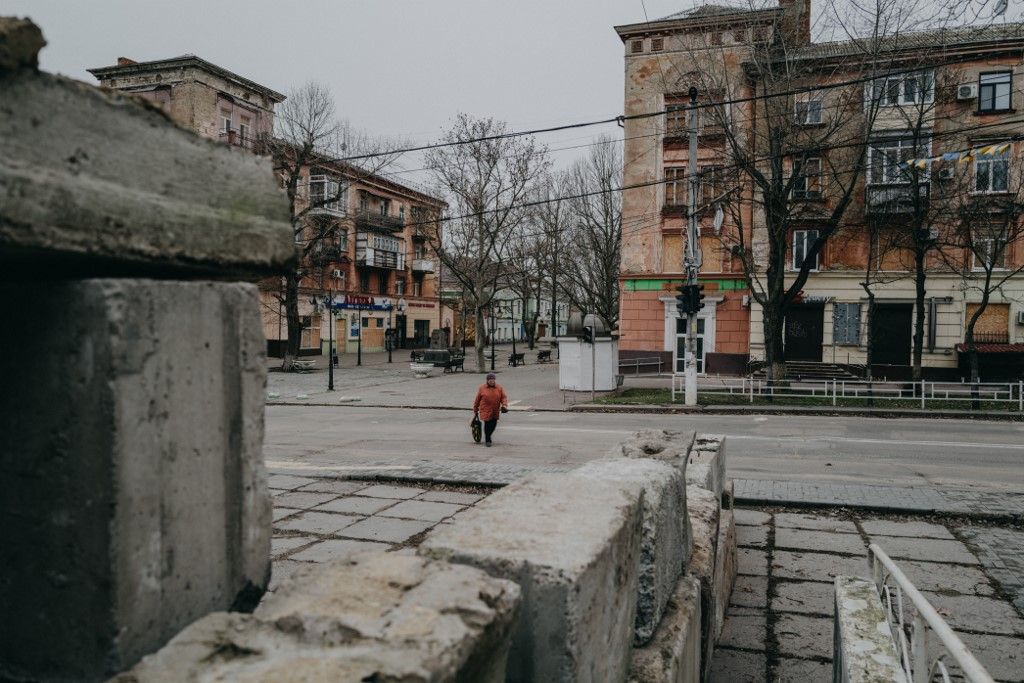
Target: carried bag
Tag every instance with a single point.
(476, 428)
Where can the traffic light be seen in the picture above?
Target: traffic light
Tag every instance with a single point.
(683, 299)
(696, 298)
(588, 335)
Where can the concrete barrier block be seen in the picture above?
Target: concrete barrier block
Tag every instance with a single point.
(574, 550)
(729, 495)
(704, 510)
(381, 617)
(725, 571)
(708, 450)
(673, 655)
(657, 444)
(132, 488)
(665, 547)
(864, 646)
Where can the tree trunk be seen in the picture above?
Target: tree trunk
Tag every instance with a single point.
(919, 294)
(479, 340)
(294, 322)
(774, 349)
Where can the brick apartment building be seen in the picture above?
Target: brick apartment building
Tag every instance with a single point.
(964, 89)
(377, 261)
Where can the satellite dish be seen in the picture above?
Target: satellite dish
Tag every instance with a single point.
(719, 217)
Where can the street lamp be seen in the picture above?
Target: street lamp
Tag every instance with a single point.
(512, 317)
(389, 336)
(329, 304)
(493, 325)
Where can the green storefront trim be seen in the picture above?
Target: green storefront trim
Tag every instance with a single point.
(658, 285)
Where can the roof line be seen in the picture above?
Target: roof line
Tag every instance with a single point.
(185, 60)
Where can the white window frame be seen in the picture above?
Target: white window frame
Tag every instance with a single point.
(804, 118)
(990, 241)
(990, 161)
(883, 89)
(331, 187)
(804, 176)
(675, 187)
(803, 241)
(894, 171)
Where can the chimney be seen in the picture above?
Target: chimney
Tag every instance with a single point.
(124, 61)
(796, 21)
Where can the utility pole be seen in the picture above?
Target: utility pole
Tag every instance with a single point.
(330, 340)
(494, 324)
(692, 255)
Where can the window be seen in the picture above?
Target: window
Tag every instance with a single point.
(364, 282)
(681, 344)
(808, 112)
(380, 322)
(385, 243)
(992, 172)
(399, 286)
(903, 89)
(382, 283)
(994, 91)
(989, 249)
(385, 207)
(675, 118)
(711, 183)
(401, 213)
(225, 120)
(417, 288)
(739, 35)
(364, 203)
(808, 183)
(657, 44)
(327, 194)
(675, 186)
(243, 130)
(803, 240)
(636, 47)
(419, 252)
(846, 323)
(716, 38)
(887, 159)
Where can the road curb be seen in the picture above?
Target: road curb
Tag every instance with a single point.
(404, 407)
(796, 410)
(754, 501)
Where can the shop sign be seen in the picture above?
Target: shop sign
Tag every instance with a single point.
(363, 303)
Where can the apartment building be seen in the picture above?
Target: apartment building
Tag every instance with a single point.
(943, 100)
(376, 259)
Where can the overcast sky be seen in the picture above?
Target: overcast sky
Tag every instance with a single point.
(399, 68)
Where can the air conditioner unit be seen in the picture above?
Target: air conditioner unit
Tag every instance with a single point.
(946, 173)
(967, 92)
(337, 274)
(1020, 317)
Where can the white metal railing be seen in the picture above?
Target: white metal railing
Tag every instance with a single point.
(635, 363)
(1008, 395)
(921, 657)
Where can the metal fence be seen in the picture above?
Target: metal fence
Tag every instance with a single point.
(637, 363)
(922, 657)
(1004, 395)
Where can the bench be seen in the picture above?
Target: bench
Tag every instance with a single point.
(303, 365)
(516, 359)
(544, 356)
(455, 364)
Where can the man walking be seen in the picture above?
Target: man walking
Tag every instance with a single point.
(490, 401)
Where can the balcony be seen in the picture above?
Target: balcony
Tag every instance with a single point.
(883, 200)
(423, 265)
(378, 258)
(328, 253)
(370, 220)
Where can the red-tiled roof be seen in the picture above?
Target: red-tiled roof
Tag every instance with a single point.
(993, 348)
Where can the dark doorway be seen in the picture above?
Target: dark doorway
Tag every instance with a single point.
(891, 326)
(422, 331)
(805, 326)
(400, 331)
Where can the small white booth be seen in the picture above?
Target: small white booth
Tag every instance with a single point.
(582, 367)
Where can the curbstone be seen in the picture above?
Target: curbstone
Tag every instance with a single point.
(665, 547)
(575, 552)
(377, 616)
(674, 653)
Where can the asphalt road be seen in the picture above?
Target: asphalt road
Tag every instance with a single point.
(860, 450)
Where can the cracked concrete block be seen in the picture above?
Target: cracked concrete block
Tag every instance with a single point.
(707, 463)
(673, 655)
(657, 444)
(665, 548)
(703, 508)
(864, 648)
(725, 570)
(575, 551)
(380, 617)
(132, 487)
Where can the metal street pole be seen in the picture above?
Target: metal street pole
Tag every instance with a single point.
(692, 256)
(512, 316)
(593, 366)
(330, 341)
(493, 325)
(359, 337)
(391, 332)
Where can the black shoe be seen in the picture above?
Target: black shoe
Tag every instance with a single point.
(488, 444)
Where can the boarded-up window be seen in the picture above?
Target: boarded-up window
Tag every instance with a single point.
(657, 44)
(672, 253)
(637, 46)
(846, 323)
(994, 323)
(711, 253)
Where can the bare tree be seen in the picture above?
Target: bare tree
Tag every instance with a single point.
(485, 178)
(592, 235)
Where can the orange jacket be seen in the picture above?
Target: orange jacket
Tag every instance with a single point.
(489, 400)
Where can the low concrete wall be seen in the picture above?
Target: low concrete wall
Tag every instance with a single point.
(864, 648)
(707, 463)
(673, 655)
(382, 617)
(574, 549)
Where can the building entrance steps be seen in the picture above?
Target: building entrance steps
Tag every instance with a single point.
(809, 370)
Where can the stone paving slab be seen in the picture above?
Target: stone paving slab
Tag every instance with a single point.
(451, 497)
(733, 666)
(324, 523)
(336, 549)
(794, 520)
(387, 530)
(1002, 656)
(805, 597)
(745, 517)
(282, 544)
(802, 539)
(1001, 552)
(281, 513)
(750, 591)
(788, 564)
(300, 500)
(804, 636)
(751, 562)
(937, 577)
(396, 492)
(745, 631)
(980, 615)
(752, 536)
(336, 486)
(925, 549)
(287, 481)
(881, 527)
(422, 510)
(283, 569)
(357, 505)
(790, 670)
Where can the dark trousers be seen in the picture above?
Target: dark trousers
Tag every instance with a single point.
(489, 426)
